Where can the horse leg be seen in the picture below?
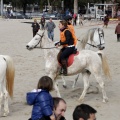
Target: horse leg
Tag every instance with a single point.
(5, 96)
(85, 75)
(64, 82)
(57, 88)
(1, 97)
(53, 76)
(73, 86)
(102, 85)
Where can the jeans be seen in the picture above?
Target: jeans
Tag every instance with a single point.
(51, 35)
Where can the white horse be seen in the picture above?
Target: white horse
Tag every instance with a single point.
(93, 37)
(6, 81)
(87, 62)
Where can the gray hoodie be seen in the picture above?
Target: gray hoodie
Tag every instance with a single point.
(50, 26)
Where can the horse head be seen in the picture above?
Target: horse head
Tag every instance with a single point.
(98, 38)
(36, 40)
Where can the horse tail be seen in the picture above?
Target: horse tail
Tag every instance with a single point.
(105, 65)
(10, 73)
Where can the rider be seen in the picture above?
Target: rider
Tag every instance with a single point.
(68, 19)
(67, 41)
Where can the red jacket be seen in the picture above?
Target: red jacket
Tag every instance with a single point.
(117, 30)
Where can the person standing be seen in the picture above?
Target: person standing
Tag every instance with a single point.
(35, 27)
(117, 31)
(81, 20)
(42, 22)
(41, 100)
(118, 14)
(74, 18)
(106, 20)
(50, 26)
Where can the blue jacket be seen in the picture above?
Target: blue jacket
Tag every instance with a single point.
(42, 104)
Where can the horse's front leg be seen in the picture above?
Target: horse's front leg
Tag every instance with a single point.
(6, 108)
(86, 85)
(64, 82)
(53, 77)
(1, 97)
(57, 88)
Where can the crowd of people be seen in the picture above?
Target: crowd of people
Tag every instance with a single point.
(46, 107)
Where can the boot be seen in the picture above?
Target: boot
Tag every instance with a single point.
(64, 67)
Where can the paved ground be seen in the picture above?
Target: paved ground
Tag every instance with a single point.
(15, 34)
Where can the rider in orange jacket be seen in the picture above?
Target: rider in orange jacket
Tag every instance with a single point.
(67, 43)
(68, 19)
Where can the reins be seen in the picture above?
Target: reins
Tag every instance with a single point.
(48, 48)
(40, 41)
(99, 39)
(89, 44)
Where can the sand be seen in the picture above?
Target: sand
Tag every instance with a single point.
(29, 67)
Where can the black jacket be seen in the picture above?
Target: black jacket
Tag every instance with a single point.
(35, 26)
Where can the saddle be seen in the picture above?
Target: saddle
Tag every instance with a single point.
(69, 60)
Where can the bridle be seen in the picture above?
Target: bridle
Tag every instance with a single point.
(89, 44)
(100, 36)
(96, 46)
(41, 36)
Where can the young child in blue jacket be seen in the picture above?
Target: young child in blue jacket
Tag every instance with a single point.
(41, 100)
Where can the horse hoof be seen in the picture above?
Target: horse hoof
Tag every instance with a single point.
(5, 114)
(65, 86)
(105, 100)
(80, 100)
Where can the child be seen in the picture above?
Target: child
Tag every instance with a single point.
(41, 100)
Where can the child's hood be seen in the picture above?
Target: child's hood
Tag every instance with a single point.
(31, 96)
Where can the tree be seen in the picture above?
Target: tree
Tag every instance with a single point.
(76, 6)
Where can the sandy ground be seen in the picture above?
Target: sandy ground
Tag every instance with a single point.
(15, 34)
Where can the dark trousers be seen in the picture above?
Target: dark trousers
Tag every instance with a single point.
(34, 33)
(66, 52)
(42, 26)
(118, 37)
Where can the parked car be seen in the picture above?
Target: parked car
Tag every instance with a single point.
(17, 15)
(53, 16)
(34, 14)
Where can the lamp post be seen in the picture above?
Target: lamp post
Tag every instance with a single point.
(2, 8)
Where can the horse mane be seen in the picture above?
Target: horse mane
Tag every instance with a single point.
(86, 37)
(89, 36)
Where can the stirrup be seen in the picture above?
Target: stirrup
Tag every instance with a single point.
(65, 72)
(61, 71)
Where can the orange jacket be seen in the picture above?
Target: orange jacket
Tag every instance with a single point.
(62, 37)
(71, 28)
